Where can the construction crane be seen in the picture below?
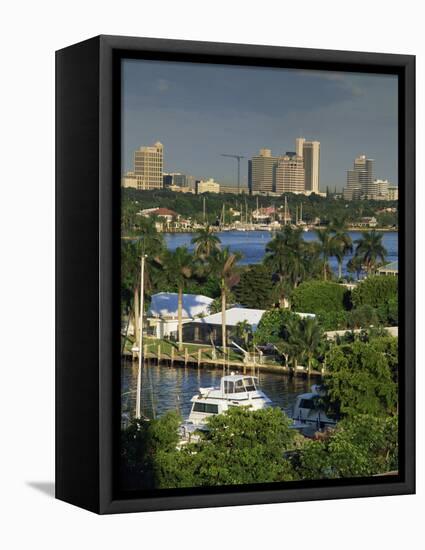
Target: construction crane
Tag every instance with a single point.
(238, 158)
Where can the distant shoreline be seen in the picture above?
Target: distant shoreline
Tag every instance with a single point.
(194, 231)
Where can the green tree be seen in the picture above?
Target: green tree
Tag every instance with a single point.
(359, 380)
(240, 447)
(179, 265)
(320, 296)
(244, 333)
(310, 336)
(370, 249)
(342, 242)
(363, 445)
(206, 242)
(287, 257)
(355, 265)
(224, 265)
(327, 248)
(375, 291)
(272, 327)
(150, 243)
(255, 288)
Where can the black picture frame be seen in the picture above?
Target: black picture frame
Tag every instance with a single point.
(87, 270)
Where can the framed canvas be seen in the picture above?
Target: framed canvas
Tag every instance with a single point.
(235, 274)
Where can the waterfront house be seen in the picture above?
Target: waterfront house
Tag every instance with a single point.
(206, 329)
(163, 312)
(389, 269)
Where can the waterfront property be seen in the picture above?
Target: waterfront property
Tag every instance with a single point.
(389, 269)
(208, 329)
(163, 311)
(205, 330)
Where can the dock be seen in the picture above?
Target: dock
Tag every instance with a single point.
(201, 358)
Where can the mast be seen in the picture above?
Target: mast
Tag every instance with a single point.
(142, 303)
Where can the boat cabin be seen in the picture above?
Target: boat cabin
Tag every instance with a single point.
(235, 390)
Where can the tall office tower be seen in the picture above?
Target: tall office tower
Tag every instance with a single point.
(310, 152)
(148, 166)
(299, 146)
(290, 174)
(360, 180)
(262, 172)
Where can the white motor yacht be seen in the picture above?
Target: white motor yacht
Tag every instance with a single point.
(307, 411)
(235, 390)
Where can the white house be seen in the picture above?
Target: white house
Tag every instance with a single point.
(163, 311)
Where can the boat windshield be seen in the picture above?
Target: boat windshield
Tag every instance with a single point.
(249, 384)
(238, 386)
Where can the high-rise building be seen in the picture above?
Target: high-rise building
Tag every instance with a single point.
(360, 180)
(262, 172)
(310, 152)
(382, 189)
(290, 175)
(148, 166)
(392, 193)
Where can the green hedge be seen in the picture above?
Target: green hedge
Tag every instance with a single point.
(376, 291)
(320, 297)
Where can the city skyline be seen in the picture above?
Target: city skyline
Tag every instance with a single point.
(200, 111)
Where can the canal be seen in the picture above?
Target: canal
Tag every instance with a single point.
(166, 388)
(252, 244)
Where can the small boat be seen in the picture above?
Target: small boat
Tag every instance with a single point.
(235, 390)
(309, 413)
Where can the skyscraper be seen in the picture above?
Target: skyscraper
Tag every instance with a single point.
(290, 175)
(262, 172)
(360, 180)
(148, 166)
(310, 152)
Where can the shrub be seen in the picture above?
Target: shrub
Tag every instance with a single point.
(255, 288)
(320, 297)
(376, 291)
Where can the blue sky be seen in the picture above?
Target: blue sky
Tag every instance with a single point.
(199, 111)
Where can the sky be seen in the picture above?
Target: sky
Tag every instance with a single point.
(198, 111)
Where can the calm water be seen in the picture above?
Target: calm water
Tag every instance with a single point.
(252, 244)
(169, 388)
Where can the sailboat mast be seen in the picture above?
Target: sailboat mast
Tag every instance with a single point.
(142, 305)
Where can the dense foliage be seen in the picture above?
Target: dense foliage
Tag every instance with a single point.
(375, 291)
(320, 296)
(363, 445)
(360, 380)
(255, 288)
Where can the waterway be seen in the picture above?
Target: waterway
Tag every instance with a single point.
(167, 388)
(252, 244)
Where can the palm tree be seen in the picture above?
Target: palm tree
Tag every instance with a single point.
(179, 265)
(310, 334)
(151, 244)
(370, 248)
(223, 264)
(206, 243)
(355, 265)
(327, 248)
(286, 256)
(342, 242)
(244, 332)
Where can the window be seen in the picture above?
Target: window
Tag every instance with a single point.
(205, 408)
(307, 404)
(228, 387)
(239, 387)
(249, 384)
